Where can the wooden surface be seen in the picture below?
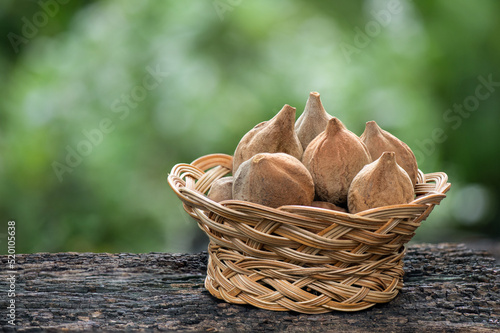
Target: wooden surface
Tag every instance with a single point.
(448, 288)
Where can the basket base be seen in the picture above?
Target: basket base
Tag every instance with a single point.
(269, 285)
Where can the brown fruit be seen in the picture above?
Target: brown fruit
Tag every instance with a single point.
(273, 180)
(378, 141)
(222, 189)
(334, 158)
(328, 205)
(312, 121)
(273, 136)
(380, 183)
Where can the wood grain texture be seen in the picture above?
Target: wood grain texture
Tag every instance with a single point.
(447, 288)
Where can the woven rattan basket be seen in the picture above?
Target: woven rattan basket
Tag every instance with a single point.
(300, 258)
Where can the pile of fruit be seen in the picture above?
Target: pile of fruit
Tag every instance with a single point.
(316, 161)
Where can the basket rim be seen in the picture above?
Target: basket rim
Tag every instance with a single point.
(221, 165)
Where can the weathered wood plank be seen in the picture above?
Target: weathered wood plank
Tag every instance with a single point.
(447, 288)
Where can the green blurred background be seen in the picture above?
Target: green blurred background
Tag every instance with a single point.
(99, 99)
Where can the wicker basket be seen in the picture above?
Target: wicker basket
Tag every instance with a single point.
(300, 258)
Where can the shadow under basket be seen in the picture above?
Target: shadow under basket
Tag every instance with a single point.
(301, 258)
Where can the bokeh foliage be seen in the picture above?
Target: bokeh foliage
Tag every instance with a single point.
(230, 65)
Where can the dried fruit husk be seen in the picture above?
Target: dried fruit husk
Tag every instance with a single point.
(273, 136)
(312, 121)
(221, 189)
(273, 180)
(334, 158)
(380, 183)
(378, 141)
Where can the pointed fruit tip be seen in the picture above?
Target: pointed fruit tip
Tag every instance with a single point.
(372, 127)
(286, 112)
(388, 156)
(334, 125)
(288, 108)
(258, 157)
(289, 111)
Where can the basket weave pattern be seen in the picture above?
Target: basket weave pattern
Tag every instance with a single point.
(301, 258)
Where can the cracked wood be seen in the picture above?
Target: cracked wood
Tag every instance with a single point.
(446, 288)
